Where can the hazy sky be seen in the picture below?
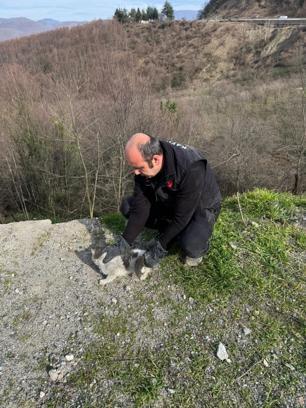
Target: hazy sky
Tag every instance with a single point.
(65, 10)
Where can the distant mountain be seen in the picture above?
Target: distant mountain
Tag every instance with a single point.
(21, 26)
(186, 14)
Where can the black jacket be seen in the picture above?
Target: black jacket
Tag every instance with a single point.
(185, 184)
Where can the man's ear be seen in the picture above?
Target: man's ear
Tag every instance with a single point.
(157, 159)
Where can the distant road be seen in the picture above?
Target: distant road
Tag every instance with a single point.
(263, 21)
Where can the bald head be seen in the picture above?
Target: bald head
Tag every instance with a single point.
(138, 139)
(144, 154)
(133, 144)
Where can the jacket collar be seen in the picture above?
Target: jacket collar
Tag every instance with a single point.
(168, 170)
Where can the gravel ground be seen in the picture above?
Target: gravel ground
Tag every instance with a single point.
(49, 295)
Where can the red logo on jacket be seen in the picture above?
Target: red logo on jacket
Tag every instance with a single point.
(169, 184)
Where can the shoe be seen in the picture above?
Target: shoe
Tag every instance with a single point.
(193, 261)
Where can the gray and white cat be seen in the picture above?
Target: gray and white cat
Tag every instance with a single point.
(117, 268)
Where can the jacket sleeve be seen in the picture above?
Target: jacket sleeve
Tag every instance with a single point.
(139, 213)
(187, 200)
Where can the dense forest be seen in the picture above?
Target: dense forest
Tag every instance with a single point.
(70, 99)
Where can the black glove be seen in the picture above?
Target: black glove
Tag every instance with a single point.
(121, 247)
(154, 254)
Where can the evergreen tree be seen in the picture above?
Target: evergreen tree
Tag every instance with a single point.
(150, 13)
(144, 15)
(132, 15)
(125, 16)
(121, 15)
(167, 11)
(155, 14)
(117, 14)
(138, 15)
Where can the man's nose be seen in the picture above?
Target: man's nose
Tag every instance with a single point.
(136, 172)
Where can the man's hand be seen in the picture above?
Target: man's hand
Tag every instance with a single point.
(154, 254)
(121, 247)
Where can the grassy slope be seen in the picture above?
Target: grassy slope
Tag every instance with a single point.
(253, 277)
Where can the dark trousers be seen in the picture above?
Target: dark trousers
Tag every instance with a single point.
(194, 239)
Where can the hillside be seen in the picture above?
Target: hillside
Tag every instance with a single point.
(174, 55)
(185, 54)
(68, 341)
(70, 99)
(255, 8)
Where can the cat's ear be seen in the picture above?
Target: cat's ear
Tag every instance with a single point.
(96, 252)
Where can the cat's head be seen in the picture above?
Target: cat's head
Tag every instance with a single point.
(134, 262)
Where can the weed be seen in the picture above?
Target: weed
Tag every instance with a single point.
(40, 242)
(7, 283)
(22, 317)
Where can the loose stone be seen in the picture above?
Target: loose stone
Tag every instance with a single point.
(222, 353)
(69, 357)
(53, 374)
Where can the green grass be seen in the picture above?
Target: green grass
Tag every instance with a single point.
(114, 222)
(267, 204)
(254, 253)
(253, 276)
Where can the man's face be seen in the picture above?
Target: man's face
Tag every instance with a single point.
(142, 167)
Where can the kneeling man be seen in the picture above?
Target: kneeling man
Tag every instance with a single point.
(175, 192)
